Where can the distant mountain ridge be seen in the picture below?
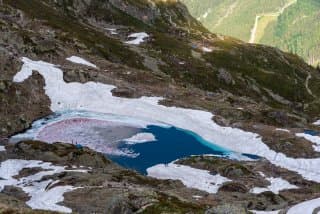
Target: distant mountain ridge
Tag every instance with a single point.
(291, 25)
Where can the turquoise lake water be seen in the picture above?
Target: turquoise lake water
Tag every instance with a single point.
(172, 143)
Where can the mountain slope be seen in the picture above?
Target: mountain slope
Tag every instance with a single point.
(180, 58)
(284, 24)
(247, 87)
(298, 29)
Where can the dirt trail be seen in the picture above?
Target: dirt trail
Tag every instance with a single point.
(307, 85)
(274, 14)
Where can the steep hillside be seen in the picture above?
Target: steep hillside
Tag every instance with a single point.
(298, 29)
(171, 37)
(291, 25)
(150, 61)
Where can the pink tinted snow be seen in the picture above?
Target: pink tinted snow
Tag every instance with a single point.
(83, 131)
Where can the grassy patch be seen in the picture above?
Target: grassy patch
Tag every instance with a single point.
(169, 204)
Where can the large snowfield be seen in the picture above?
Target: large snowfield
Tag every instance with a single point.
(41, 195)
(191, 177)
(305, 207)
(97, 97)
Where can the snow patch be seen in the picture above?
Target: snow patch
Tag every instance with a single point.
(113, 31)
(139, 38)
(262, 174)
(207, 50)
(265, 212)
(282, 130)
(2, 148)
(197, 197)
(41, 197)
(79, 60)
(140, 138)
(97, 97)
(305, 207)
(190, 177)
(317, 123)
(277, 185)
(311, 138)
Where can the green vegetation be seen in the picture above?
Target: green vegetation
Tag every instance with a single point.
(297, 31)
(167, 204)
(107, 47)
(230, 17)
(294, 29)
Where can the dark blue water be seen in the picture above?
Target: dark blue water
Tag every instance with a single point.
(311, 132)
(251, 156)
(171, 144)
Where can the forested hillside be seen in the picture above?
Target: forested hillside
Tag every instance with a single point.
(292, 25)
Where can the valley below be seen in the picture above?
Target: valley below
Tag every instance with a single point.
(289, 25)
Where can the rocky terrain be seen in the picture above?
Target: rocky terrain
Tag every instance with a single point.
(251, 87)
(106, 186)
